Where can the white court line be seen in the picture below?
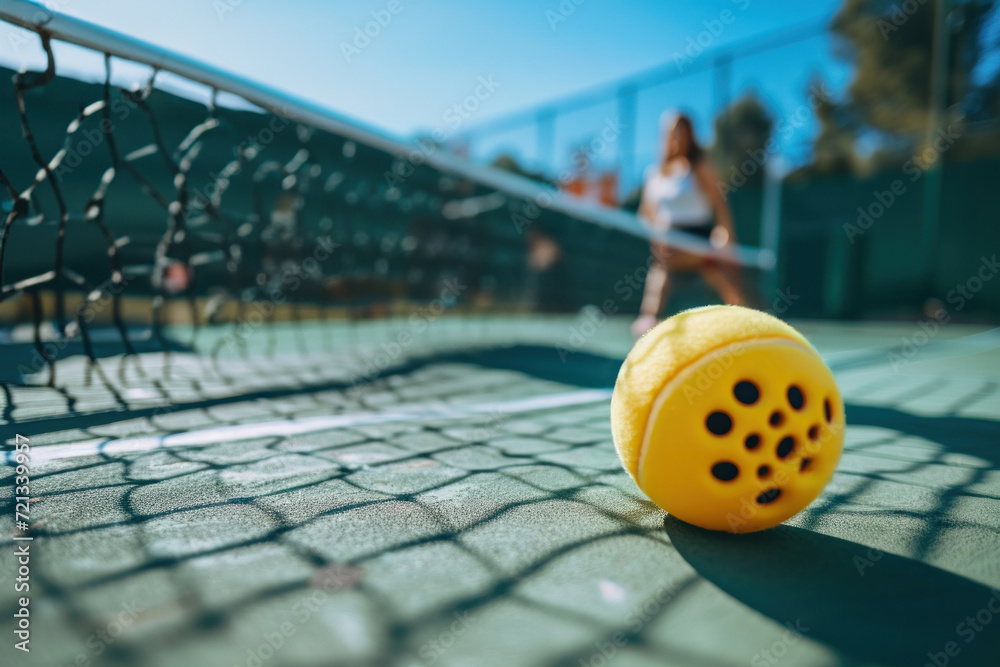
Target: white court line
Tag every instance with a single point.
(985, 340)
(288, 427)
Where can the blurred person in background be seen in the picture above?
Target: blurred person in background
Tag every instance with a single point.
(681, 193)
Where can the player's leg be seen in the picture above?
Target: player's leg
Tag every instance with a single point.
(666, 260)
(655, 291)
(681, 261)
(723, 282)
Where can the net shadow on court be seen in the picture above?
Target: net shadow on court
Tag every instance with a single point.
(406, 468)
(215, 532)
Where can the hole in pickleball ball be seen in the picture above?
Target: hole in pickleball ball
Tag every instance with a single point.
(763, 471)
(746, 392)
(752, 441)
(827, 410)
(785, 447)
(768, 496)
(806, 462)
(814, 432)
(719, 423)
(776, 418)
(795, 398)
(725, 471)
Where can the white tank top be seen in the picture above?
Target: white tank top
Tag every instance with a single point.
(676, 198)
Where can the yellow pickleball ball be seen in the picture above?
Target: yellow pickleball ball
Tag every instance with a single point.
(727, 418)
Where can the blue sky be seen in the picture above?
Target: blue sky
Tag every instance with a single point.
(432, 54)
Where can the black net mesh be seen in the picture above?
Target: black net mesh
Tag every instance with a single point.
(205, 214)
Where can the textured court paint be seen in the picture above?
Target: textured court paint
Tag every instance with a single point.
(289, 427)
(869, 356)
(872, 584)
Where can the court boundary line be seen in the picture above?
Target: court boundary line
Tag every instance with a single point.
(422, 412)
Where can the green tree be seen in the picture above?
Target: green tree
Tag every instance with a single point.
(742, 132)
(889, 100)
(834, 147)
(509, 163)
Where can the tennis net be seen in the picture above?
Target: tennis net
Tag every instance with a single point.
(129, 211)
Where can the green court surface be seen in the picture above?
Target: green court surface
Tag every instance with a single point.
(462, 504)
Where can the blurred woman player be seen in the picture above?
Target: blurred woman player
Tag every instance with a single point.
(682, 193)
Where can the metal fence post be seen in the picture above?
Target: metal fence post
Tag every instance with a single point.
(546, 138)
(933, 181)
(722, 69)
(628, 118)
